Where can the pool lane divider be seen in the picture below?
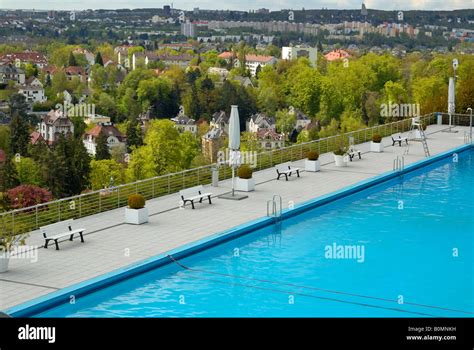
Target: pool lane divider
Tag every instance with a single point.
(38, 305)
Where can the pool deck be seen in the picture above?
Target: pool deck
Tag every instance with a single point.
(110, 244)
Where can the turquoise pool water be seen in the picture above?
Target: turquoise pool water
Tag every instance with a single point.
(403, 248)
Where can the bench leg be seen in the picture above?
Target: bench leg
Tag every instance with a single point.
(405, 141)
(192, 204)
(400, 143)
(350, 157)
(278, 177)
(57, 245)
(286, 175)
(298, 173)
(200, 200)
(46, 242)
(71, 238)
(82, 237)
(209, 197)
(360, 156)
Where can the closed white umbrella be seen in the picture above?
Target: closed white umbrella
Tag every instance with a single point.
(234, 140)
(234, 129)
(451, 100)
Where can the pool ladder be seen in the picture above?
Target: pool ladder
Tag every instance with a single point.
(399, 163)
(274, 206)
(467, 137)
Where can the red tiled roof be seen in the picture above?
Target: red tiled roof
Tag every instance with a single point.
(74, 70)
(258, 58)
(226, 55)
(51, 69)
(35, 136)
(108, 130)
(336, 55)
(29, 56)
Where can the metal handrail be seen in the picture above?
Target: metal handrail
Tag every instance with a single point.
(31, 218)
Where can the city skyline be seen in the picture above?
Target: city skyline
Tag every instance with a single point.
(240, 5)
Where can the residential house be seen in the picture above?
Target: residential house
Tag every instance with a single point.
(90, 58)
(122, 55)
(336, 55)
(143, 58)
(114, 138)
(49, 71)
(243, 81)
(212, 142)
(53, 124)
(96, 119)
(220, 120)
(252, 62)
(270, 139)
(182, 60)
(33, 90)
(176, 46)
(302, 120)
(75, 72)
(184, 123)
(260, 121)
(295, 52)
(21, 58)
(11, 73)
(35, 137)
(222, 73)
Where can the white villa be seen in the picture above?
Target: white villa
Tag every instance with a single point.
(183, 123)
(53, 124)
(114, 138)
(270, 139)
(220, 120)
(33, 90)
(260, 121)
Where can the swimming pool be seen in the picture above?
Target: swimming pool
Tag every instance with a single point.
(402, 248)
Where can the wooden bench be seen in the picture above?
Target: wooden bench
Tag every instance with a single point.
(352, 152)
(61, 229)
(400, 139)
(194, 193)
(286, 170)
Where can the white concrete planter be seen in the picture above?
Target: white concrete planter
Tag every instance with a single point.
(244, 185)
(136, 216)
(312, 165)
(4, 260)
(376, 147)
(341, 160)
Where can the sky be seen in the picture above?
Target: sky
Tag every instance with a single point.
(240, 4)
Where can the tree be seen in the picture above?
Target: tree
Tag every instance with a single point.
(72, 60)
(141, 165)
(19, 135)
(285, 121)
(25, 196)
(103, 170)
(98, 59)
(29, 172)
(18, 105)
(5, 138)
(102, 148)
(9, 175)
(134, 134)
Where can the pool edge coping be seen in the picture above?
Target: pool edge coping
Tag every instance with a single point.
(40, 304)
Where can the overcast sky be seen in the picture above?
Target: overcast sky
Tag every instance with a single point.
(242, 4)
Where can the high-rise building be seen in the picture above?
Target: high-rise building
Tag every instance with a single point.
(188, 29)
